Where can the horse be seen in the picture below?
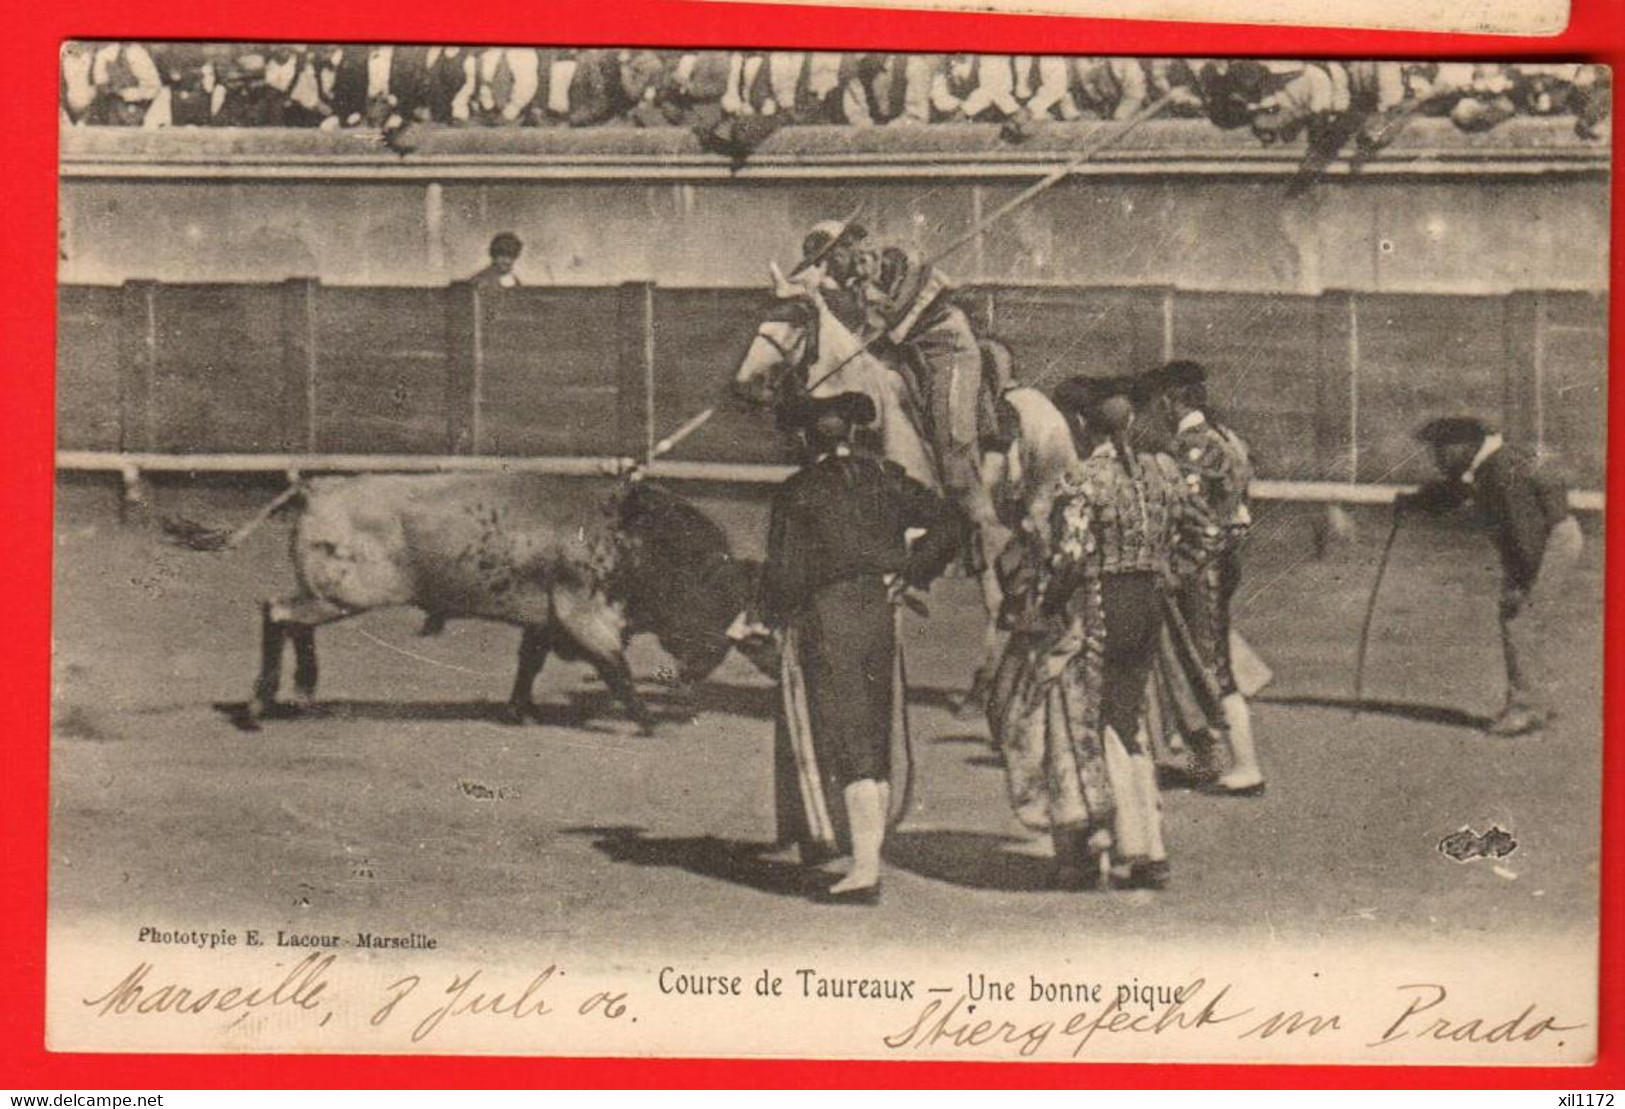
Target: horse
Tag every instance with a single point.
(1021, 480)
(801, 338)
(803, 346)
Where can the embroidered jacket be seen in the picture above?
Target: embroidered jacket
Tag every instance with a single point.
(1107, 520)
(1215, 466)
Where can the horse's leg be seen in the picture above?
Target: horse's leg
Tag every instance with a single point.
(975, 700)
(990, 537)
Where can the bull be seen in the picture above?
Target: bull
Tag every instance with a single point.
(578, 571)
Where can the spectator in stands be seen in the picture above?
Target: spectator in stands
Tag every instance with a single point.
(642, 73)
(785, 71)
(1591, 99)
(187, 72)
(972, 87)
(449, 84)
(504, 250)
(594, 95)
(699, 82)
(364, 88)
(126, 83)
(408, 84)
(1486, 101)
(555, 75)
(818, 96)
(727, 97)
(291, 71)
(1110, 88)
(77, 89)
(241, 96)
(919, 84)
(872, 89)
(1179, 77)
(1226, 91)
(1303, 92)
(748, 88)
(507, 80)
(1044, 85)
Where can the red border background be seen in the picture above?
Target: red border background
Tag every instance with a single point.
(29, 93)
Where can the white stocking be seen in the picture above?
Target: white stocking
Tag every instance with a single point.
(867, 818)
(1244, 770)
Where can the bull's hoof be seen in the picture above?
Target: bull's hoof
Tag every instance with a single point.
(303, 699)
(247, 718)
(646, 725)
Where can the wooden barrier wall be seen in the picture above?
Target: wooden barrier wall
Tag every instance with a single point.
(1326, 387)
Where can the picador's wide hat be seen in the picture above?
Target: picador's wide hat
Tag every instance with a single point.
(1450, 430)
(824, 237)
(850, 409)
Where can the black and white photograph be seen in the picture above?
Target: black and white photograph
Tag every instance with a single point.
(731, 553)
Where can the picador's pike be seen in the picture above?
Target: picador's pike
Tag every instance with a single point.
(579, 570)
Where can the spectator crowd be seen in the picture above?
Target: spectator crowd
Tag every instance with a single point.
(743, 96)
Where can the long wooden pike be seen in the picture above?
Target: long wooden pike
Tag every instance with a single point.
(1371, 611)
(1049, 180)
(688, 427)
(1111, 138)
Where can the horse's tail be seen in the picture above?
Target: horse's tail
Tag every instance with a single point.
(998, 363)
(182, 532)
(998, 373)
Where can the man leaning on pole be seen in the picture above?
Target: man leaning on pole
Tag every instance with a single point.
(1523, 503)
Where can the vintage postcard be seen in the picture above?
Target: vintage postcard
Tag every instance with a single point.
(753, 553)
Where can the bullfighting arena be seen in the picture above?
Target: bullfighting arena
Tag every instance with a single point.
(243, 300)
(399, 802)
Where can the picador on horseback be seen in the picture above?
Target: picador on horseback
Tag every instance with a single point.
(851, 316)
(900, 306)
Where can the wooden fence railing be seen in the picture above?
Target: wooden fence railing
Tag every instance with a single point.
(1328, 388)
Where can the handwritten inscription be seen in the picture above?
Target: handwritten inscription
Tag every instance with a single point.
(1022, 1017)
(1197, 1008)
(412, 1002)
(300, 988)
(461, 999)
(940, 1024)
(1423, 998)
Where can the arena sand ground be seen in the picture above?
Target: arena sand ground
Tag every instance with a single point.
(400, 805)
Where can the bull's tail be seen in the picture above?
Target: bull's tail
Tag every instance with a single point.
(192, 535)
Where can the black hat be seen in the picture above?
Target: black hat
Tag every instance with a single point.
(851, 409)
(506, 243)
(1078, 396)
(1447, 430)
